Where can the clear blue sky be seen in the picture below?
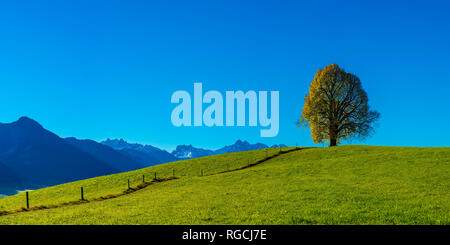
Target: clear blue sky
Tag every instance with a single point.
(107, 69)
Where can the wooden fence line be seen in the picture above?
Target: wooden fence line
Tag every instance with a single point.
(172, 177)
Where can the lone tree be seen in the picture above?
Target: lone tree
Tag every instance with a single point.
(336, 107)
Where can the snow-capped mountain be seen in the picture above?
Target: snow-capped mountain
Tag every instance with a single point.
(144, 154)
(188, 151)
(240, 146)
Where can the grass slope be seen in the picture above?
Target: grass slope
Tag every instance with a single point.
(340, 185)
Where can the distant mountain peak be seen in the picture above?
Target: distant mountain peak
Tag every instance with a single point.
(105, 153)
(40, 157)
(25, 118)
(117, 144)
(142, 153)
(188, 151)
(240, 142)
(27, 122)
(240, 146)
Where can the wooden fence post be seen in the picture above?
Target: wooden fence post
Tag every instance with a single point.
(143, 179)
(155, 175)
(128, 183)
(173, 173)
(82, 194)
(28, 201)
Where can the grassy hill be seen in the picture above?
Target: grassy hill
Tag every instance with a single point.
(340, 185)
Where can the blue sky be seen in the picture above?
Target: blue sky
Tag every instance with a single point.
(107, 69)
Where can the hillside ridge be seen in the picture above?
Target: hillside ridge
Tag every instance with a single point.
(143, 185)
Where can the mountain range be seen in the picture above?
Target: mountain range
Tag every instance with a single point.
(33, 157)
(189, 151)
(143, 154)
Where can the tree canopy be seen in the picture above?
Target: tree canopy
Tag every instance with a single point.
(336, 107)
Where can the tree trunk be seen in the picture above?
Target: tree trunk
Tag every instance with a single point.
(333, 135)
(333, 142)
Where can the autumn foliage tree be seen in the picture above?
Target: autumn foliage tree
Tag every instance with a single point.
(336, 107)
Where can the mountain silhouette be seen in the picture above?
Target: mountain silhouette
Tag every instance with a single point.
(33, 157)
(36, 157)
(106, 154)
(188, 151)
(240, 145)
(145, 155)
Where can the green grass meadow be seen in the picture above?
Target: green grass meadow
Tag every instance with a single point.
(339, 185)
